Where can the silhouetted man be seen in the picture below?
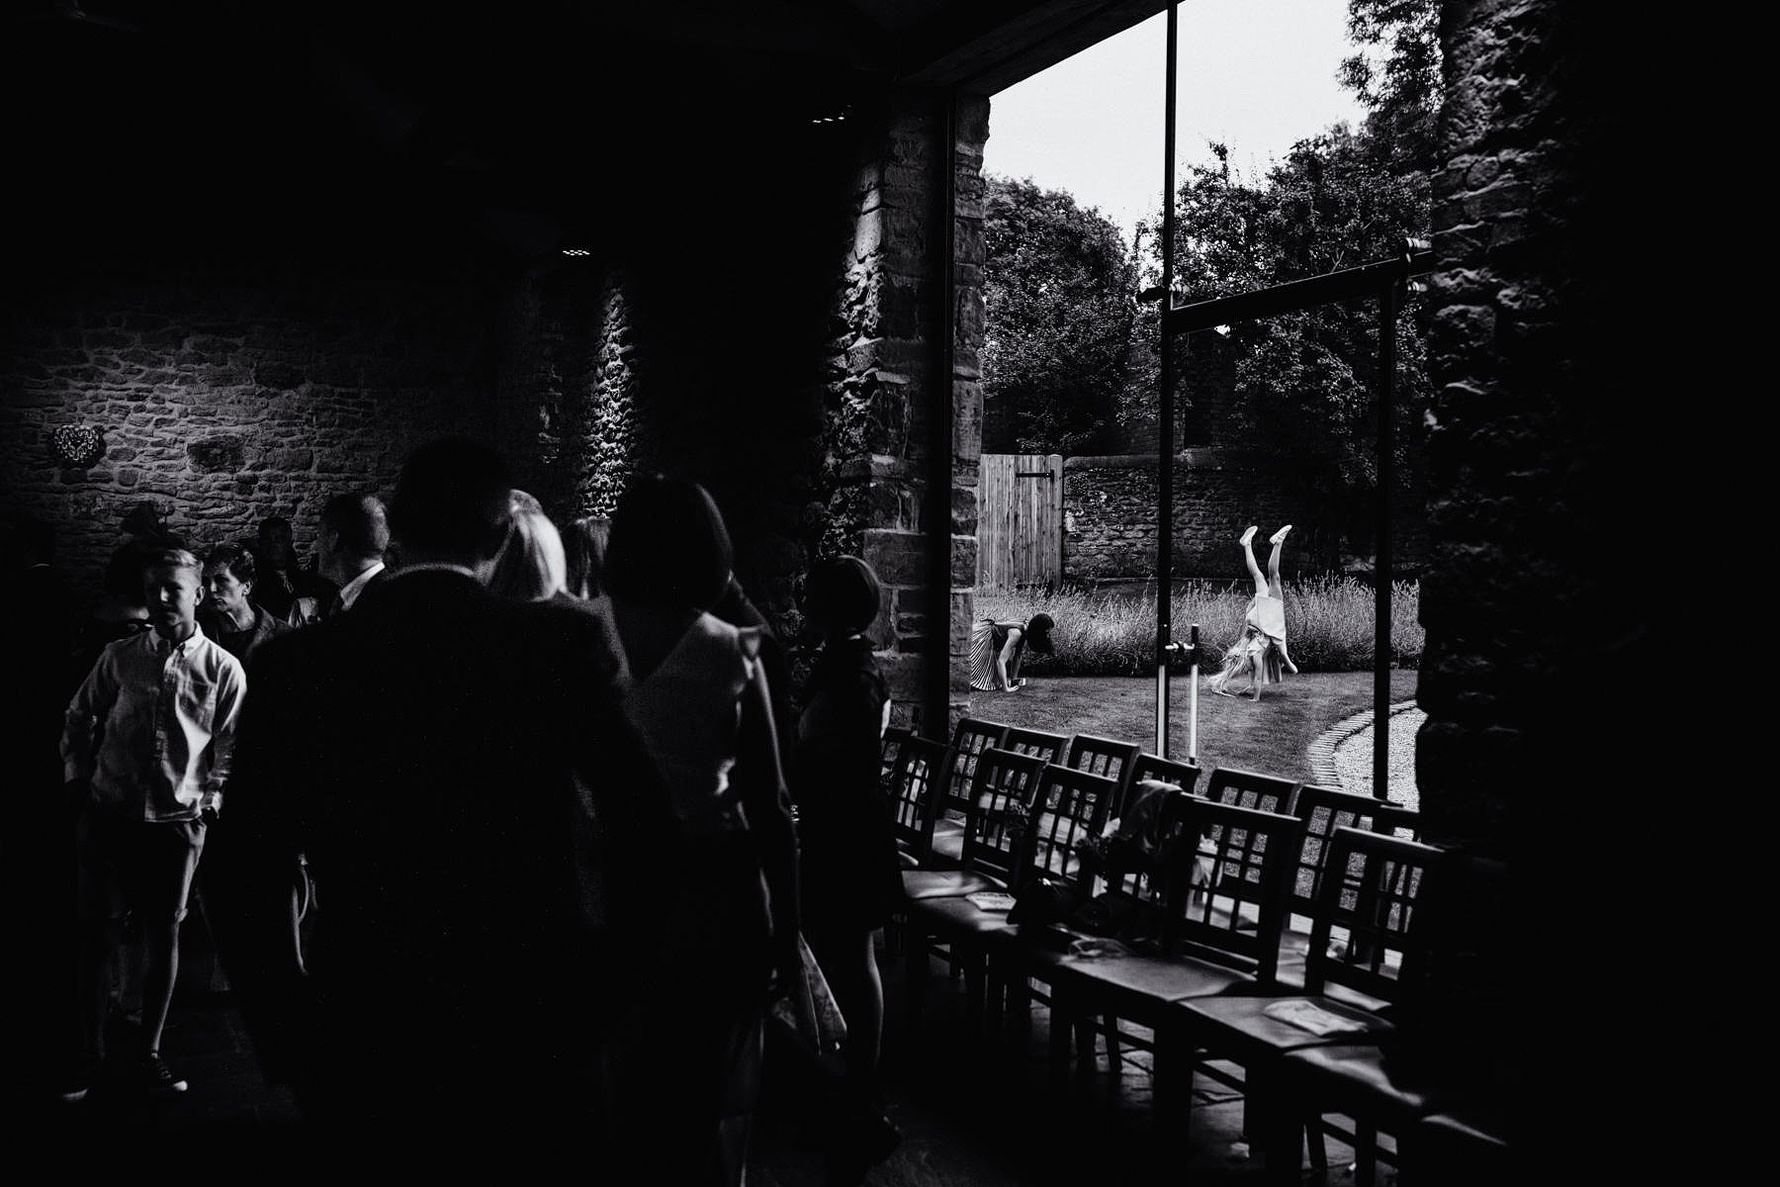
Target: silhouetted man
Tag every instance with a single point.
(481, 822)
(354, 537)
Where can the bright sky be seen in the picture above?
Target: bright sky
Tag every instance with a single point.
(1258, 75)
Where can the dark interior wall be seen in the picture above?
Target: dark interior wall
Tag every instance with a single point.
(229, 391)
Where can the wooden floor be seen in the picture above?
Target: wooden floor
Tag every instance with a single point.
(983, 1114)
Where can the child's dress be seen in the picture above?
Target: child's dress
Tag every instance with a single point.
(1262, 646)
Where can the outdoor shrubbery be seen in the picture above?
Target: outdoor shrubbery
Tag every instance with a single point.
(1329, 625)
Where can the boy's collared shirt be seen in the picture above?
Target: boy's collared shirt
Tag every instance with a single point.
(152, 728)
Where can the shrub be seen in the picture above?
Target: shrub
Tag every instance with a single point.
(1329, 625)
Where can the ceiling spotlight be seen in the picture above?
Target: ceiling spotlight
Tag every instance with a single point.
(576, 251)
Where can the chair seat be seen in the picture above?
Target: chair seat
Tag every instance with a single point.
(1343, 1076)
(1134, 987)
(928, 884)
(956, 915)
(1244, 1025)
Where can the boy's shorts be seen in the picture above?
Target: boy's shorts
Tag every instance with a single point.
(140, 866)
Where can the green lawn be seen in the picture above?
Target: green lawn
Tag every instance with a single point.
(1272, 735)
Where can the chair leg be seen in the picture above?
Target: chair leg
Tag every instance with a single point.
(1172, 1068)
(915, 972)
(1365, 1153)
(1110, 1026)
(1316, 1140)
(1061, 1033)
(1275, 1128)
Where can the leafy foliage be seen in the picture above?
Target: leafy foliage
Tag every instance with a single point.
(1305, 382)
(1059, 290)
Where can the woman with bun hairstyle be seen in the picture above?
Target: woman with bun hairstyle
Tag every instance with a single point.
(850, 876)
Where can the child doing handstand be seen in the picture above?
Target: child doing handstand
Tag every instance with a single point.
(1261, 651)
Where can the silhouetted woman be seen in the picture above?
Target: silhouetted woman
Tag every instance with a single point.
(851, 878)
(689, 1070)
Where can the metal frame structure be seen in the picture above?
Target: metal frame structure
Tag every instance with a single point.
(1387, 281)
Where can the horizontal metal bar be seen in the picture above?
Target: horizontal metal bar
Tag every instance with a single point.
(1297, 294)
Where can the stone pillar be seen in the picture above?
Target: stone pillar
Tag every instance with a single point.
(880, 430)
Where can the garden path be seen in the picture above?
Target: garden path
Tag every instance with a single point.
(1342, 756)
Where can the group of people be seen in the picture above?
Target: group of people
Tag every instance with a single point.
(570, 828)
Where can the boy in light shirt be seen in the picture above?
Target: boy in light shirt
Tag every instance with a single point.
(146, 743)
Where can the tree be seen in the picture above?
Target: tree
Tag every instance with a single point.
(1305, 381)
(1059, 293)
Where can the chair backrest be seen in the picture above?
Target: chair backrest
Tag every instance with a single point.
(1325, 809)
(1136, 859)
(1228, 879)
(1042, 743)
(1071, 808)
(1181, 773)
(890, 753)
(1250, 789)
(1003, 789)
(920, 770)
(1104, 756)
(1362, 933)
(970, 737)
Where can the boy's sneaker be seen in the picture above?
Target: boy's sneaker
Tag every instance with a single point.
(77, 1080)
(158, 1077)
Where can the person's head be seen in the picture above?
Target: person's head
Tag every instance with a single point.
(450, 504)
(173, 583)
(354, 535)
(529, 566)
(275, 546)
(143, 522)
(843, 596)
(668, 546)
(584, 551)
(1038, 633)
(229, 571)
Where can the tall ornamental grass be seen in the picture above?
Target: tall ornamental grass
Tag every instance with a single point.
(1329, 625)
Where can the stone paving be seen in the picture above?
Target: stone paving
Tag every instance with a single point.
(1342, 756)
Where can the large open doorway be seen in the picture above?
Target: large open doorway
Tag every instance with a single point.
(1152, 500)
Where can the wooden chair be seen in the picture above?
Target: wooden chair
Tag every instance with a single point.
(1250, 789)
(941, 917)
(1452, 1049)
(1104, 756)
(914, 796)
(970, 737)
(1325, 809)
(1213, 934)
(1043, 743)
(1183, 774)
(1361, 943)
(890, 753)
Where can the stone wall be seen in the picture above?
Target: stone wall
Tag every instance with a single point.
(879, 433)
(1531, 405)
(1110, 508)
(224, 399)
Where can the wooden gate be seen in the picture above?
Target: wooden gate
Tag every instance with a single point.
(1020, 520)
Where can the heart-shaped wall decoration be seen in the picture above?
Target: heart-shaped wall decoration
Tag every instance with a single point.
(77, 445)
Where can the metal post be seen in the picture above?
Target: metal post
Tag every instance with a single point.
(1165, 410)
(1388, 300)
(937, 499)
(1192, 694)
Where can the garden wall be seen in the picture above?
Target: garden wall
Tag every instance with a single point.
(1110, 524)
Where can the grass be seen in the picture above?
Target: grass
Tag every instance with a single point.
(1330, 625)
(1272, 735)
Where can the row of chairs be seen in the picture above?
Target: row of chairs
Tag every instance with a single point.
(1265, 935)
